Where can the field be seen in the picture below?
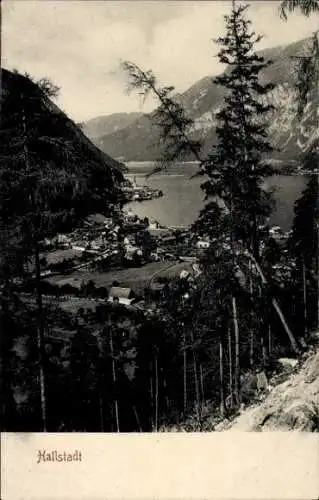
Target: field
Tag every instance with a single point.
(135, 278)
(74, 304)
(57, 256)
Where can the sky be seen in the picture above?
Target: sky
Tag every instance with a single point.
(79, 45)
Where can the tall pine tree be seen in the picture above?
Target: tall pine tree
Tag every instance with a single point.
(236, 166)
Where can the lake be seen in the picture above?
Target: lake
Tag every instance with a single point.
(183, 198)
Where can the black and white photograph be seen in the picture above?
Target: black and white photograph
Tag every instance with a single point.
(159, 217)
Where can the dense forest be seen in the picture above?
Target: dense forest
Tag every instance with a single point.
(254, 299)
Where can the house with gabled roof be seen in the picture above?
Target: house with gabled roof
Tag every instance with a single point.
(123, 295)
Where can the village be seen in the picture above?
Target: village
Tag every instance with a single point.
(124, 259)
(135, 192)
(133, 253)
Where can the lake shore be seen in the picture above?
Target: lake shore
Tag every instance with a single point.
(183, 197)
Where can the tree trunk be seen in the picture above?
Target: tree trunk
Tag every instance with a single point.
(230, 362)
(116, 408)
(237, 366)
(165, 390)
(156, 391)
(264, 329)
(221, 377)
(316, 55)
(263, 348)
(152, 395)
(185, 372)
(317, 217)
(40, 341)
(304, 294)
(101, 412)
(40, 319)
(101, 399)
(251, 348)
(195, 376)
(268, 325)
(275, 304)
(251, 339)
(292, 339)
(269, 341)
(202, 383)
(137, 419)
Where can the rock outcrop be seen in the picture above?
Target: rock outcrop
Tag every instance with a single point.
(292, 405)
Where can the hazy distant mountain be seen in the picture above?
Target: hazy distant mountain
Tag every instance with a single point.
(104, 125)
(139, 140)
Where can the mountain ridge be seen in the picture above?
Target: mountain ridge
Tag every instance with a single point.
(107, 124)
(139, 141)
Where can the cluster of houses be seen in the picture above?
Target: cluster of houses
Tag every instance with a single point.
(132, 251)
(302, 171)
(278, 234)
(88, 240)
(104, 237)
(135, 192)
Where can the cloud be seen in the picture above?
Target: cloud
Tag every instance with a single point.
(79, 45)
(183, 48)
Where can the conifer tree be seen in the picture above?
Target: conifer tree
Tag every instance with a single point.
(307, 7)
(236, 166)
(173, 123)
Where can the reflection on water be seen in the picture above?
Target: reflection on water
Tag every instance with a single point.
(183, 197)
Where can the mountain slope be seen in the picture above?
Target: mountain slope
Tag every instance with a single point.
(140, 140)
(104, 125)
(11, 81)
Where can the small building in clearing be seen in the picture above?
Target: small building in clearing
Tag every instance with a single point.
(203, 244)
(125, 296)
(154, 224)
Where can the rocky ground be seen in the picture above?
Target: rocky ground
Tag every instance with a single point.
(290, 405)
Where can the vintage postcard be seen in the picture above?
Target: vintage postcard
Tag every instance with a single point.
(159, 249)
